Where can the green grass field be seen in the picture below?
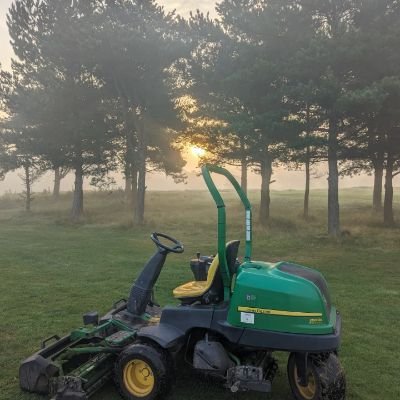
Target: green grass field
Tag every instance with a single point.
(51, 272)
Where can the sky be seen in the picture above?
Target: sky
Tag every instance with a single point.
(284, 179)
(183, 7)
(5, 48)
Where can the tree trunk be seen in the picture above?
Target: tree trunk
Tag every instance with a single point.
(128, 186)
(77, 203)
(28, 194)
(57, 183)
(243, 166)
(134, 184)
(138, 218)
(378, 178)
(333, 182)
(266, 173)
(376, 145)
(306, 205)
(243, 177)
(388, 216)
(130, 193)
(307, 189)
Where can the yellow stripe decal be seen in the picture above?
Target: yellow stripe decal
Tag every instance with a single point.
(278, 312)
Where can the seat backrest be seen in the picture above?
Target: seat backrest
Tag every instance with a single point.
(232, 250)
(212, 271)
(215, 291)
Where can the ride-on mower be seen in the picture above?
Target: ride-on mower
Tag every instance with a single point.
(229, 322)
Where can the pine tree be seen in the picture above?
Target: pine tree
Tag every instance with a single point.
(133, 45)
(47, 38)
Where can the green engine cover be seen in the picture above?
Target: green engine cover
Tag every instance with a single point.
(281, 297)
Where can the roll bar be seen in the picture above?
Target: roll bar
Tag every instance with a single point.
(206, 171)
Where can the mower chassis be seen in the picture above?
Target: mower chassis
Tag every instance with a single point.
(76, 366)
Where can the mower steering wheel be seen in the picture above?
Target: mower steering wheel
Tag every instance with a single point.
(178, 248)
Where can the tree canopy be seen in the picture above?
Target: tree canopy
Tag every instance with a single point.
(118, 85)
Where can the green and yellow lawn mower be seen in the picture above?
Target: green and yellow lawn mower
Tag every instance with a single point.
(229, 322)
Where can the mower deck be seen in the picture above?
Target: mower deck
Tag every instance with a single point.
(77, 365)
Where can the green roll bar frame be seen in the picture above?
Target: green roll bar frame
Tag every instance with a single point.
(206, 172)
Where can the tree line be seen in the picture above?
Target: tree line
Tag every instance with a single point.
(105, 85)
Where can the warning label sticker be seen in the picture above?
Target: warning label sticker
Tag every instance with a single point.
(247, 318)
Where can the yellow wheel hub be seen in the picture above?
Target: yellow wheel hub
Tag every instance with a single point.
(308, 392)
(138, 378)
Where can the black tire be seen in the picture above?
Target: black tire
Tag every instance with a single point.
(156, 370)
(326, 378)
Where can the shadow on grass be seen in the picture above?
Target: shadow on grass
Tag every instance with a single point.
(194, 386)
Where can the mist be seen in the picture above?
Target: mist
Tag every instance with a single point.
(107, 96)
(259, 137)
(158, 181)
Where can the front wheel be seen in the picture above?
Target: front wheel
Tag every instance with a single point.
(141, 372)
(325, 378)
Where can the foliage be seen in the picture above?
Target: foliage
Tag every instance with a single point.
(101, 86)
(92, 78)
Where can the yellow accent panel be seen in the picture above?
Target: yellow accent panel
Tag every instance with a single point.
(278, 312)
(154, 320)
(197, 288)
(138, 378)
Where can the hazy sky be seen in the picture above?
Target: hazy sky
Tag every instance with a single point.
(5, 48)
(183, 7)
(284, 179)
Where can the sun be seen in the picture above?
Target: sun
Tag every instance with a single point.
(197, 151)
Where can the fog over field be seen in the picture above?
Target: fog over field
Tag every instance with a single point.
(284, 179)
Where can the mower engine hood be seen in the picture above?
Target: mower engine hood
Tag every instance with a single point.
(281, 297)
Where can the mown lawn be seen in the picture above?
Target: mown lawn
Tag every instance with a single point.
(52, 272)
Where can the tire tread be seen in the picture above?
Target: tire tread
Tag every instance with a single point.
(159, 361)
(330, 376)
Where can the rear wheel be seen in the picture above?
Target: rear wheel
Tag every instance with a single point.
(325, 378)
(141, 372)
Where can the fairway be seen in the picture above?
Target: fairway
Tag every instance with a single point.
(51, 272)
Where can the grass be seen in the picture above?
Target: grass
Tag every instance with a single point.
(51, 272)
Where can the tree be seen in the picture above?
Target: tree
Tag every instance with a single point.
(391, 127)
(215, 122)
(18, 135)
(5, 79)
(138, 42)
(374, 103)
(309, 147)
(48, 37)
(256, 32)
(31, 174)
(323, 63)
(59, 174)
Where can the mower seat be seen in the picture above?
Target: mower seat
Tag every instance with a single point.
(212, 288)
